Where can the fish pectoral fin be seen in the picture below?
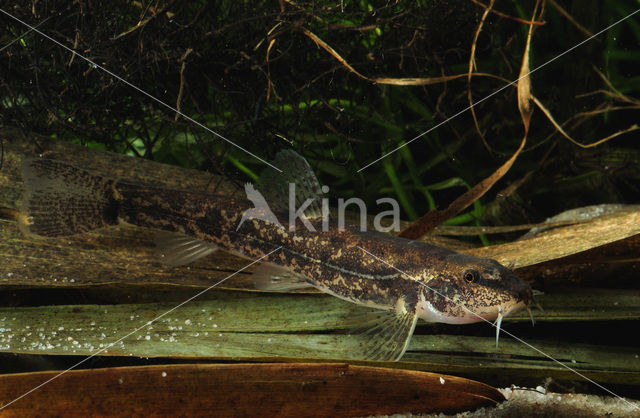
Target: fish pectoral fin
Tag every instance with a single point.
(274, 278)
(176, 249)
(389, 336)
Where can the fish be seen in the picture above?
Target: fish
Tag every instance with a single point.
(416, 280)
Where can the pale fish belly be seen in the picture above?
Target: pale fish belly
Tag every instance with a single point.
(427, 312)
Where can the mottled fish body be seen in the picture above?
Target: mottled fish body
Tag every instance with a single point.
(417, 280)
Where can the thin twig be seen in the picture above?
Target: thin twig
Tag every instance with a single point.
(506, 16)
(569, 18)
(549, 116)
(472, 66)
(183, 60)
(144, 22)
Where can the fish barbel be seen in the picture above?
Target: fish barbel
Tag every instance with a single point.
(417, 280)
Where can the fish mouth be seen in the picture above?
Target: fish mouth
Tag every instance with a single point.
(524, 302)
(504, 311)
(524, 298)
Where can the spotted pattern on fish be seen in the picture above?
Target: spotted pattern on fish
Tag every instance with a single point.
(332, 260)
(415, 280)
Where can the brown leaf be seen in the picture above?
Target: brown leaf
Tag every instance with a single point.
(435, 217)
(412, 81)
(284, 390)
(524, 82)
(322, 44)
(424, 81)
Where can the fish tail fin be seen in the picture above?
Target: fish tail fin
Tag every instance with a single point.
(61, 199)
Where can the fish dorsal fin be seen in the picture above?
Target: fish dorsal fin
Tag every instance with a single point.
(274, 278)
(387, 335)
(295, 170)
(178, 249)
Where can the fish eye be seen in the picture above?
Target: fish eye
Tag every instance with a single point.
(470, 276)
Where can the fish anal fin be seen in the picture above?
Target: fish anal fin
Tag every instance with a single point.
(274, 278)
(387, 335)
(176, 249)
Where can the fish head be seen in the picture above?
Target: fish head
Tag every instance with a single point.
(471, 289)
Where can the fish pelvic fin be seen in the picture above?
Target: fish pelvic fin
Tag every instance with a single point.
(176, 249)
(274, 278)
(61, 199)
